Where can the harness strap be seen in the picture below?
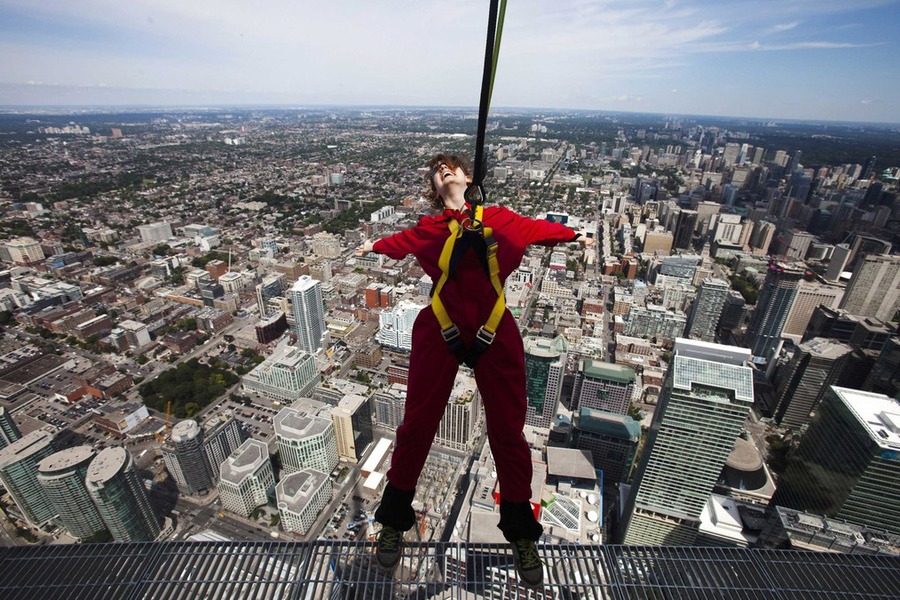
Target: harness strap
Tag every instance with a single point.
(449, 330)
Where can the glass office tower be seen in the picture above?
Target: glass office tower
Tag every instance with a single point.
(848, 462)
(705, 399)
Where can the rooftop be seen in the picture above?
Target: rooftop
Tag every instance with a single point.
(691, 371)
(879, 414)
(567, 462)
(107, 464)
(608, 371)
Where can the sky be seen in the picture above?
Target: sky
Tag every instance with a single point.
(775, 59)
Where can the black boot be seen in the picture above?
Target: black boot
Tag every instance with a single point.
(396, 516)
(522, 530)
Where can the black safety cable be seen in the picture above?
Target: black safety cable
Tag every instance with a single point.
(475, 192)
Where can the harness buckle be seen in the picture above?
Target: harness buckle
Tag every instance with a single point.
(450, 334)
(472, 225)
(484, 336)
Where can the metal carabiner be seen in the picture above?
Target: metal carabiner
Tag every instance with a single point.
(475, 194)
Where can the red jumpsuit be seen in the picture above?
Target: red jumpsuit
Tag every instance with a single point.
(499, 372)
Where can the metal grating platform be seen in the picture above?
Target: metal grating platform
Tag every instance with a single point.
(345, 571)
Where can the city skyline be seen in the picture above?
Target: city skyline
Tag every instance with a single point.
(757, 60)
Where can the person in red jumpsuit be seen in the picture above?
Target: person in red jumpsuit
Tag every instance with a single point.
(499, 373)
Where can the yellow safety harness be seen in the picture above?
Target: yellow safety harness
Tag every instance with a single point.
(473, 227)
(451, 254)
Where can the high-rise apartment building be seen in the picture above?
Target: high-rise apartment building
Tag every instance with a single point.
(612, 439)
(245, 478)
(288, 374)
(9, 431)
(707, 309)
(395, 325)
(185, 458)
(271, 286)
(683, 229)
(874, 289)
(705, 399)
(62, 476)
(389, 404)
(800, 384)
(222, 436)
(761, 238)
(734, 312)
(840, 256)
(847, 464)
(884, 378)
(18, 473)
(809, 297)
(545, 366)
(459, 425)
(301, 498)
(155, 232)
(775, 301)
(352, 418)
(304, 441)
(603, 386)
(24, 250)
(309, 314)
(120, 497)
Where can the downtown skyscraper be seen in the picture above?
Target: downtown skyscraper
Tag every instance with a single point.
(120, 497)
(775, 301)
(847, 464)
(707, 309)
(705, 399)
(309, 314)
(545, 365)
(874, 289)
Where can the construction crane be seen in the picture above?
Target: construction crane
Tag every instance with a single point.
(161, 437)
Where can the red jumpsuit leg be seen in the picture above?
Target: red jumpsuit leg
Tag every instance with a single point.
(432, 370)
(500, 374)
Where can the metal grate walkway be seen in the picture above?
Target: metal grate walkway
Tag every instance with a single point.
(346, 571)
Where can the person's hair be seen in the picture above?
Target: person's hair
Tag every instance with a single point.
(452, 161)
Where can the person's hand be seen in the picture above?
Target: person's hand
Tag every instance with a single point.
(365, 248)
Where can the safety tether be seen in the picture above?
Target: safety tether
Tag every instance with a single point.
(496, 14)
(472, 228)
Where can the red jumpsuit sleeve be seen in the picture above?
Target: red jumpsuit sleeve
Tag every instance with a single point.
(400, 244)
(543, 232)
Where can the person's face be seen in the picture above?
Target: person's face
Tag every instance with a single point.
(445, 176)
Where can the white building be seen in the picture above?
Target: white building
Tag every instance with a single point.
(326, 245)
(305, 441)
(395, 326)
(24, 250)
(458, 427)
(301, 497)
(137, 334)
(245, 477)
(309, 313)
(288, 374)
(155, 232)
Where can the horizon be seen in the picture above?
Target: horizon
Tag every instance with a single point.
(100, 109)
(806, 60)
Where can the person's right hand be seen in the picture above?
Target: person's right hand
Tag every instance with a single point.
(364, 248)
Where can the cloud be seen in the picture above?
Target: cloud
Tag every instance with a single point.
(627, 98)
(784, 27)
(865, 102)
(808, 46)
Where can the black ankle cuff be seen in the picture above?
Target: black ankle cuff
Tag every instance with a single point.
(517, 521)
(396, 509)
